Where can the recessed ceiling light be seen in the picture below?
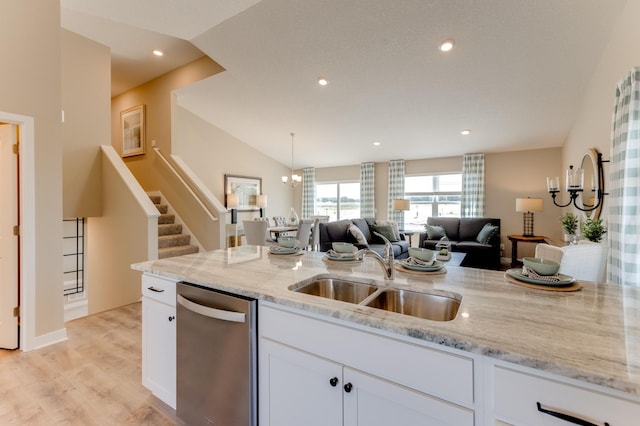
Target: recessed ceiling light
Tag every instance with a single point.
(465, 132)
(376, 144)
(322, 81)
(446, 45)
(158, 52)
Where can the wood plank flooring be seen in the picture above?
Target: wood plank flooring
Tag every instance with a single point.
(94, 378)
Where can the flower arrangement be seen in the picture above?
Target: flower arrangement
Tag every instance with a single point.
(593, 230)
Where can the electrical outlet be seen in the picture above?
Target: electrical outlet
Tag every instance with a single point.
(501, 246)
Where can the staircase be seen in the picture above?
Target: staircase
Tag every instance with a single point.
(171, 241)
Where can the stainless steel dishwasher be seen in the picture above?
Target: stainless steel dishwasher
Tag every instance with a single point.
(216, 357)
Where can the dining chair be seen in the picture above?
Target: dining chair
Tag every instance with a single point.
(315, 234)
(582, 261)
(256, 232)
(279, 221)
(304, 233)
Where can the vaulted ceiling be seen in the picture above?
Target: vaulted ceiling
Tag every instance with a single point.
(515, 77)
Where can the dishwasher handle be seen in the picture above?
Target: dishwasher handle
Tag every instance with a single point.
(211, 312)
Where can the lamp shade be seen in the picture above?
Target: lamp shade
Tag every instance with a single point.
(401, 204)
(261, 201)
(232, 201)
(528, 204)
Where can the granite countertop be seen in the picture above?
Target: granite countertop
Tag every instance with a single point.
(592, 335)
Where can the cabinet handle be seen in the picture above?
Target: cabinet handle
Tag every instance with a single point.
(566, 417)
(333, 381)
(348, 387)
(157, 290)
(171, 318)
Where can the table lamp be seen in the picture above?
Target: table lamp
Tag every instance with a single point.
(527, 206)
(261, 202)
(401, 204)
(232, 203)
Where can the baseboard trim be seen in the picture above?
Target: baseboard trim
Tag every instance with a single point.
(75, 310)
(50, 338)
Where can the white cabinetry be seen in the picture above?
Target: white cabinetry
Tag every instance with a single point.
(159, 337)
(314, 372)
(518, 393)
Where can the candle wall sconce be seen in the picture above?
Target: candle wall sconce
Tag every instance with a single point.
(589, 199)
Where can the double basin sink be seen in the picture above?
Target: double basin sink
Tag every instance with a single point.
(432, 305)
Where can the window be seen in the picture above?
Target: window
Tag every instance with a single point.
(431, 195)
(340, 200)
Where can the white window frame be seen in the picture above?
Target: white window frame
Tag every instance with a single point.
(337, 183)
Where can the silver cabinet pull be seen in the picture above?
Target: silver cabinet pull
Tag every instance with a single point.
(157, 290)
(211, 312)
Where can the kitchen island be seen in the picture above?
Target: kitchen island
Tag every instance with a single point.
(590, 337)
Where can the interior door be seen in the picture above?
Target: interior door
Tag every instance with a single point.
(9, 279)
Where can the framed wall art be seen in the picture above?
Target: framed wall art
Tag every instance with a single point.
(132, 122)
(246, 188)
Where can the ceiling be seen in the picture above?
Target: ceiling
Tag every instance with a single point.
(515, 77)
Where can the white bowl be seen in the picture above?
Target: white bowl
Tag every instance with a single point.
(343, 247)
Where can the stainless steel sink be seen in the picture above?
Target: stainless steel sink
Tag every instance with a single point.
(338, 289)
(431, 306)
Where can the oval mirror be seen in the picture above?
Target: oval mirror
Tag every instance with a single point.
(589, 197)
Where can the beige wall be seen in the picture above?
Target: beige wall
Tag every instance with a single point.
(157, 98)
(592, 127)
(114, 241)
(86, 88)
(31, 86)
(521, 174)
(211, 153)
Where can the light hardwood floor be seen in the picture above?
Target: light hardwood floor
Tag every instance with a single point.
(94, 378)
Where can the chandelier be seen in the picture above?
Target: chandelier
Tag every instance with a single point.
(295, 179)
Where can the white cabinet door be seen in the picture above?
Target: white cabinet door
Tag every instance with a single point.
(159, 350)
(371, 401)
(297, 388)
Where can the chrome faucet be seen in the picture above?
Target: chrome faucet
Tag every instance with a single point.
(385, 261)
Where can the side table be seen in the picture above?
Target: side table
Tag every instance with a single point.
(515, 239)
(409, 234)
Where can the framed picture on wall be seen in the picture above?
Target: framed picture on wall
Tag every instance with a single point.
(246, 188)
(132, 125)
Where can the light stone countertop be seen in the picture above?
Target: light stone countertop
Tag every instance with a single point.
(592, 335)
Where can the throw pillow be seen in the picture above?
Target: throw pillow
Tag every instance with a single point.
(394, 227)
(435, 232)
(485, 234)
(357, 234)
(386, 231)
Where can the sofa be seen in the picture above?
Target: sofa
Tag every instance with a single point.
(342, 231)
(464, 235)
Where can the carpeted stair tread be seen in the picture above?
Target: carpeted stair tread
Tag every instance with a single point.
(166, 218)
(176, 251)
(169, 229)
(162, 208)
(176, 240)
(155, 199)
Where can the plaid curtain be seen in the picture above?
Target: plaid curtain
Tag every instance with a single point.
(472, 203)
(624, 188)
(396, 190)
(308, 192)
(367, 190)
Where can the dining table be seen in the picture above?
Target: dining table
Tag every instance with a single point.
(276, 231)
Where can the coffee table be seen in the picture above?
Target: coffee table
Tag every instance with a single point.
(456, 258)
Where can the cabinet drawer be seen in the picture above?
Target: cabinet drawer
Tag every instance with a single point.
(438, 373)
(517, 394)
(159, 289)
